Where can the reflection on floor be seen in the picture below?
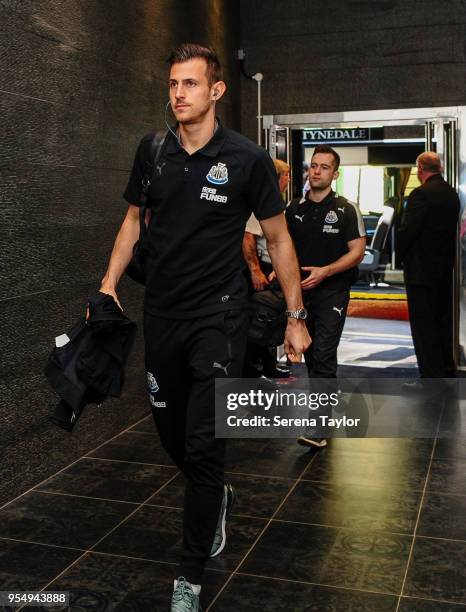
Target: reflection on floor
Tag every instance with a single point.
(377, 343)
(373, 525)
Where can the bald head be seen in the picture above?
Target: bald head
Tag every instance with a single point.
(428, 163)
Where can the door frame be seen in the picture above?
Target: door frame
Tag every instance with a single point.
(435, 116)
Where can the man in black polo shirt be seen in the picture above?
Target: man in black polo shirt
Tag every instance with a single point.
(329, 237)
(206, 183)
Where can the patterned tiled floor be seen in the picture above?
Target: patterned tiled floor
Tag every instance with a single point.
(364, 525)
(338, 530)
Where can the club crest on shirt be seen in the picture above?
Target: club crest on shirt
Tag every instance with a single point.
(331, 217)
(218, 175)
(152, 383)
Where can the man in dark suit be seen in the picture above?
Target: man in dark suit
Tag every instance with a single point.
(426, 242)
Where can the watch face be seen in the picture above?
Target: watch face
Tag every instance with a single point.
(303, 313)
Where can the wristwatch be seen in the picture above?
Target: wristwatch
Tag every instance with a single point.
(297, 314)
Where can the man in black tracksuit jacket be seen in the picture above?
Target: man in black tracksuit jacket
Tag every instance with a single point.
(426, 242)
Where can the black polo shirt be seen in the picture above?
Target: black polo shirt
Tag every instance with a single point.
(321, 232)
(200, 205)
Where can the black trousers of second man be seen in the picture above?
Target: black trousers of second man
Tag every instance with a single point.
(326, 318)
(431, 319)
(183, 358)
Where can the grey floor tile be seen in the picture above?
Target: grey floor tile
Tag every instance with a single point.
(360, 507)
(437, 571)
(134, 447)
(269, 595)
(131, 482)
(61, 520)
(353, 559)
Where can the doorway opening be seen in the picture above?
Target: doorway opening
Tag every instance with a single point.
(378, 151)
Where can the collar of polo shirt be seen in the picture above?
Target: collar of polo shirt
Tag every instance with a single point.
(211, 149)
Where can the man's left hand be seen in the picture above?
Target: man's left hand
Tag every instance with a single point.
(316, 276)
(297, 340)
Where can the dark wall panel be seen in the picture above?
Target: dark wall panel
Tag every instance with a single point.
(81, 83)
(352, 55)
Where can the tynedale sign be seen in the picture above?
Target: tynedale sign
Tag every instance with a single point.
(342, 135)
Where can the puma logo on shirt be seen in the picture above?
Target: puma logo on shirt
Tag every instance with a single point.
(220, 367)
(159, 167)
(299, 217)
(339, 310)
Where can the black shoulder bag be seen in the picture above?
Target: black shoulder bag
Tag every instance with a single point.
(137, 266)
(268, 320)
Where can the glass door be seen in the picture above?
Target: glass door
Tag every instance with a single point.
(442, 137)
(278, 144)
(449, 137)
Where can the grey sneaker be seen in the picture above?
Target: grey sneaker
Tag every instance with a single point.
(312, 442)
(184, 599)
(220, 535)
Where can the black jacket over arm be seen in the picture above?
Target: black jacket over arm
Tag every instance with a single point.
(426, 238)
(90, 367)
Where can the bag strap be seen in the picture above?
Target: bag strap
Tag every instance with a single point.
(156, 147)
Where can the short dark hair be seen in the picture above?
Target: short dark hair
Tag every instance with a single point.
(188, 51)
(327, 149)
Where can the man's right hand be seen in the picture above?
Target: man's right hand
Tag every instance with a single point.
(297, 340)
(259, 280)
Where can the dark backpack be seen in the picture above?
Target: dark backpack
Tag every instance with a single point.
(268, 318)
(137, 266)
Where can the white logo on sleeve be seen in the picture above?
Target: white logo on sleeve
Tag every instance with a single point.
(157, 404)
(339, 310)
(299, 217)
(218, 175)
(331, 217)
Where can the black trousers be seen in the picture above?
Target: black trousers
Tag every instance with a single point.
(431, 319)
(183, 358)
(326, 318)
